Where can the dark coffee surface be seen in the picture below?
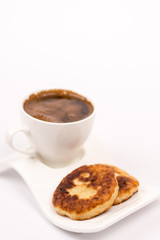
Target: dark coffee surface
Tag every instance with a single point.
(58, 106)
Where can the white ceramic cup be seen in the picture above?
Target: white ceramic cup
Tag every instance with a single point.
(54, 143)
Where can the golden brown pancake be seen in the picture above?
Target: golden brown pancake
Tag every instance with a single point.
(128, 185)
(86, 192)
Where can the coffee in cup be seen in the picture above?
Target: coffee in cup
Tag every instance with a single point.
(57, 123)
(59, 106)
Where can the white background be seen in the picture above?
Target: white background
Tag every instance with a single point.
(107, 50)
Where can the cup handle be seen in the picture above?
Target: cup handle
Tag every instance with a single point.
(10, 136)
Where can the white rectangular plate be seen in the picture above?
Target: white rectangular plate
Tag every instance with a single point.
(42, 180)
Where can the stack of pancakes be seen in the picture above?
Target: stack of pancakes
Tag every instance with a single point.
(92, 189)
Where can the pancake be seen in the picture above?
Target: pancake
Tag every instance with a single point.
(128, 185)
(86, 192)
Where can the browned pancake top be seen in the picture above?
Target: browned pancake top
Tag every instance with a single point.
(126, 183)
(85, 188)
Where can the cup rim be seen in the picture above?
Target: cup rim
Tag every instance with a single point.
(57, 123)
